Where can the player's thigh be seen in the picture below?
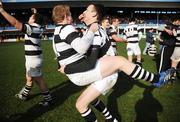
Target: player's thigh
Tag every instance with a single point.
(106, 83)
(88, 95)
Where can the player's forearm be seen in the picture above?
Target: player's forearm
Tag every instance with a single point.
(12, 20)
(81, 45)
(118, 39)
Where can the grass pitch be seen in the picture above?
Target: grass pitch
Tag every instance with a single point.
(129, 100)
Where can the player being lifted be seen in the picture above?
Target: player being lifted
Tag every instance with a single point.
(33, 54)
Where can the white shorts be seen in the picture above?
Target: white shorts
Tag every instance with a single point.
(133, 48)
(33, 66)
(176, 54)
(104, 85)
(85, 78)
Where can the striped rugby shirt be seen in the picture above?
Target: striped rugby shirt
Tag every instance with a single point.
(32, 39)
(67, 43)
(131, 32)
(112, 31)
(177, 35)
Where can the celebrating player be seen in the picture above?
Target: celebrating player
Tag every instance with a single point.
(33, 54)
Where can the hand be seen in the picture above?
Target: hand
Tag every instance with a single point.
(81, 17)
(94, 27)
(62, 69)
(160, 40)
(34, 10)
(169, 31)
(174, 32)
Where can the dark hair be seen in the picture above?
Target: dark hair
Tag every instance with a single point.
(105, 18)
(113, 18)
(175, 18)
(100, 11)
(39, 19)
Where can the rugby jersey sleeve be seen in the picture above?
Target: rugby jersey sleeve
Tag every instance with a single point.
(80, 44)
(27, 29)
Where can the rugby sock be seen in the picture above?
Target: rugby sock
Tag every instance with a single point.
(89, 115)
(99, 105)
(47, 96)
(142, 74)
(25, 90)
(138, 63)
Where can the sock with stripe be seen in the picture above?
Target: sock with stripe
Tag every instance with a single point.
(89, 115)
(47, 96)
(138, 63)
(99, 105)
(47, 99)
(25, 91)
(142, 74)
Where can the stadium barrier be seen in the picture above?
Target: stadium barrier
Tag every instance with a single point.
(10, 34)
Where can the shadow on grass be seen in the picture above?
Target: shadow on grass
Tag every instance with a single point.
(60, 93)
(123, 85)
(148, 107)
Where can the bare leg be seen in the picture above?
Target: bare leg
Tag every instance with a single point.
(138, 58)
(41, 83)
(111, 64)
(29, 81)
(88, 95)
(174, 64)
(82, 103)
(44, 90)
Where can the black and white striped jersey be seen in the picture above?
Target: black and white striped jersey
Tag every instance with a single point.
(67, 43)
(176, 33)
(112, 31)
(32, 39)
(131, 32)
(68, 46)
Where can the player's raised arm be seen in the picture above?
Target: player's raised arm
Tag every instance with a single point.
(13, 21)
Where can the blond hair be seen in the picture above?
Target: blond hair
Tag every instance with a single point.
(59, 12)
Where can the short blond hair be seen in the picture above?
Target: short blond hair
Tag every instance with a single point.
(59, 12)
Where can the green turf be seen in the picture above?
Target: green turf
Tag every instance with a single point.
(129, 101)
